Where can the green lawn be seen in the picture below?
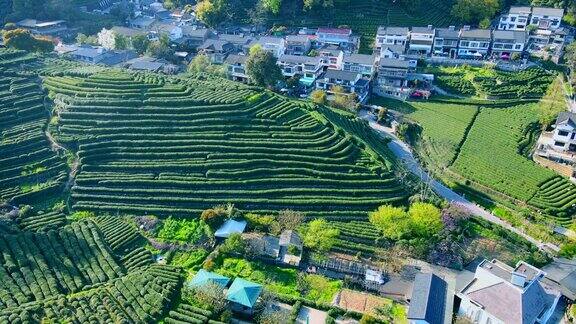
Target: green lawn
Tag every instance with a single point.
(281, 280)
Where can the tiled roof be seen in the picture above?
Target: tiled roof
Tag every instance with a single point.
(244, 292)
(542, 11)
(204, 277)
(428, 301)
(477, 33)
(359, 59)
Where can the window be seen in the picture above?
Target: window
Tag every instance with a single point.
(558, 143)
(563, 133)
(512, 19)
(464, 43)
(518, 46)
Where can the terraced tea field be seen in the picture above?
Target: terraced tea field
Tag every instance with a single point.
(29, 168)
(151, 146)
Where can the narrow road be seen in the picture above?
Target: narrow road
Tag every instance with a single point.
(404, 153)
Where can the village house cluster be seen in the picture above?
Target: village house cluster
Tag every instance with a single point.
(322, 58)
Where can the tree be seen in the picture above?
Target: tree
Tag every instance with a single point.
(312, 4)
(86, 40)
(201, 63)
(290, 219)
(474, 11)
(261, 67)
(210, 296)
(425, 218)
(140, 43)
(319, 235)
(161, 48)
(318, 97)
(120, 42)
(343, 99)
(392, 221)
(23, 40)
(212, 12)
(233, 244)
(272, 5)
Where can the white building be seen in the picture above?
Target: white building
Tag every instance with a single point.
(421, 40)
(474, 43)
(517, 18)
(500, 294)
(391, 36)
(565, 133)
(361, 63)
(446, 42)
(331, 57)
(546, 18)
(274, 45)
(308, 68)
(507, 42)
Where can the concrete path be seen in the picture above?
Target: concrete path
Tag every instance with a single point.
(404, 153)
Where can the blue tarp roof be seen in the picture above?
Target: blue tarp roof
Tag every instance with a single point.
(204, 277)
(230, 227)
(244, 292)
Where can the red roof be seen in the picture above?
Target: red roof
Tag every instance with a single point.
(341, 31)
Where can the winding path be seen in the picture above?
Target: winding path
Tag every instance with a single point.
(404, 153)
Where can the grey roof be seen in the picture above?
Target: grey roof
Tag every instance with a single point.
(428, 299)
(118, 57)
(566, 117)
(289, 237)
(236, 59)
(299, 59)
(548, 11)
(392, 30)
(476, 33)
(297, 39)
(400, 49)
(563, 271)
(423, 30)
(394, 63)
(359, 59)
(517, 36)
(447, 33)
(147, 66)
(520, 10)
(215, 44)
(144, 21)
(341, 75)
(128, 32)
(90, 51)
(236, 39)
(189, 31)
(271, 40)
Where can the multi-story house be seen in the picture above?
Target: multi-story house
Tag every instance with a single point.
(193, 37)
(272, 44)
(564, 137)
(308, 68)
(500, 294)
(342, 37)
(421, 40)
(474, 43)
(174, 32)
(446, 42)
(546, 18)
(236, 67)
(517, 18)
(391, 36)
(362, 63)
(331, 57)
(351, 82)
(392, 51)
(298, 44)
(241, 43)
(392, 80)
(44, 28)
(507, 42)
(217, 50)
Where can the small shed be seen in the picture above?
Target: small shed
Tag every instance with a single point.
(243, 295)
(374, 276)
(230, 227)
(290, 247)
(204, 277)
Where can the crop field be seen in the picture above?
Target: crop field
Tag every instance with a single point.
(147, 145)
(29, 168)
(484, 142)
